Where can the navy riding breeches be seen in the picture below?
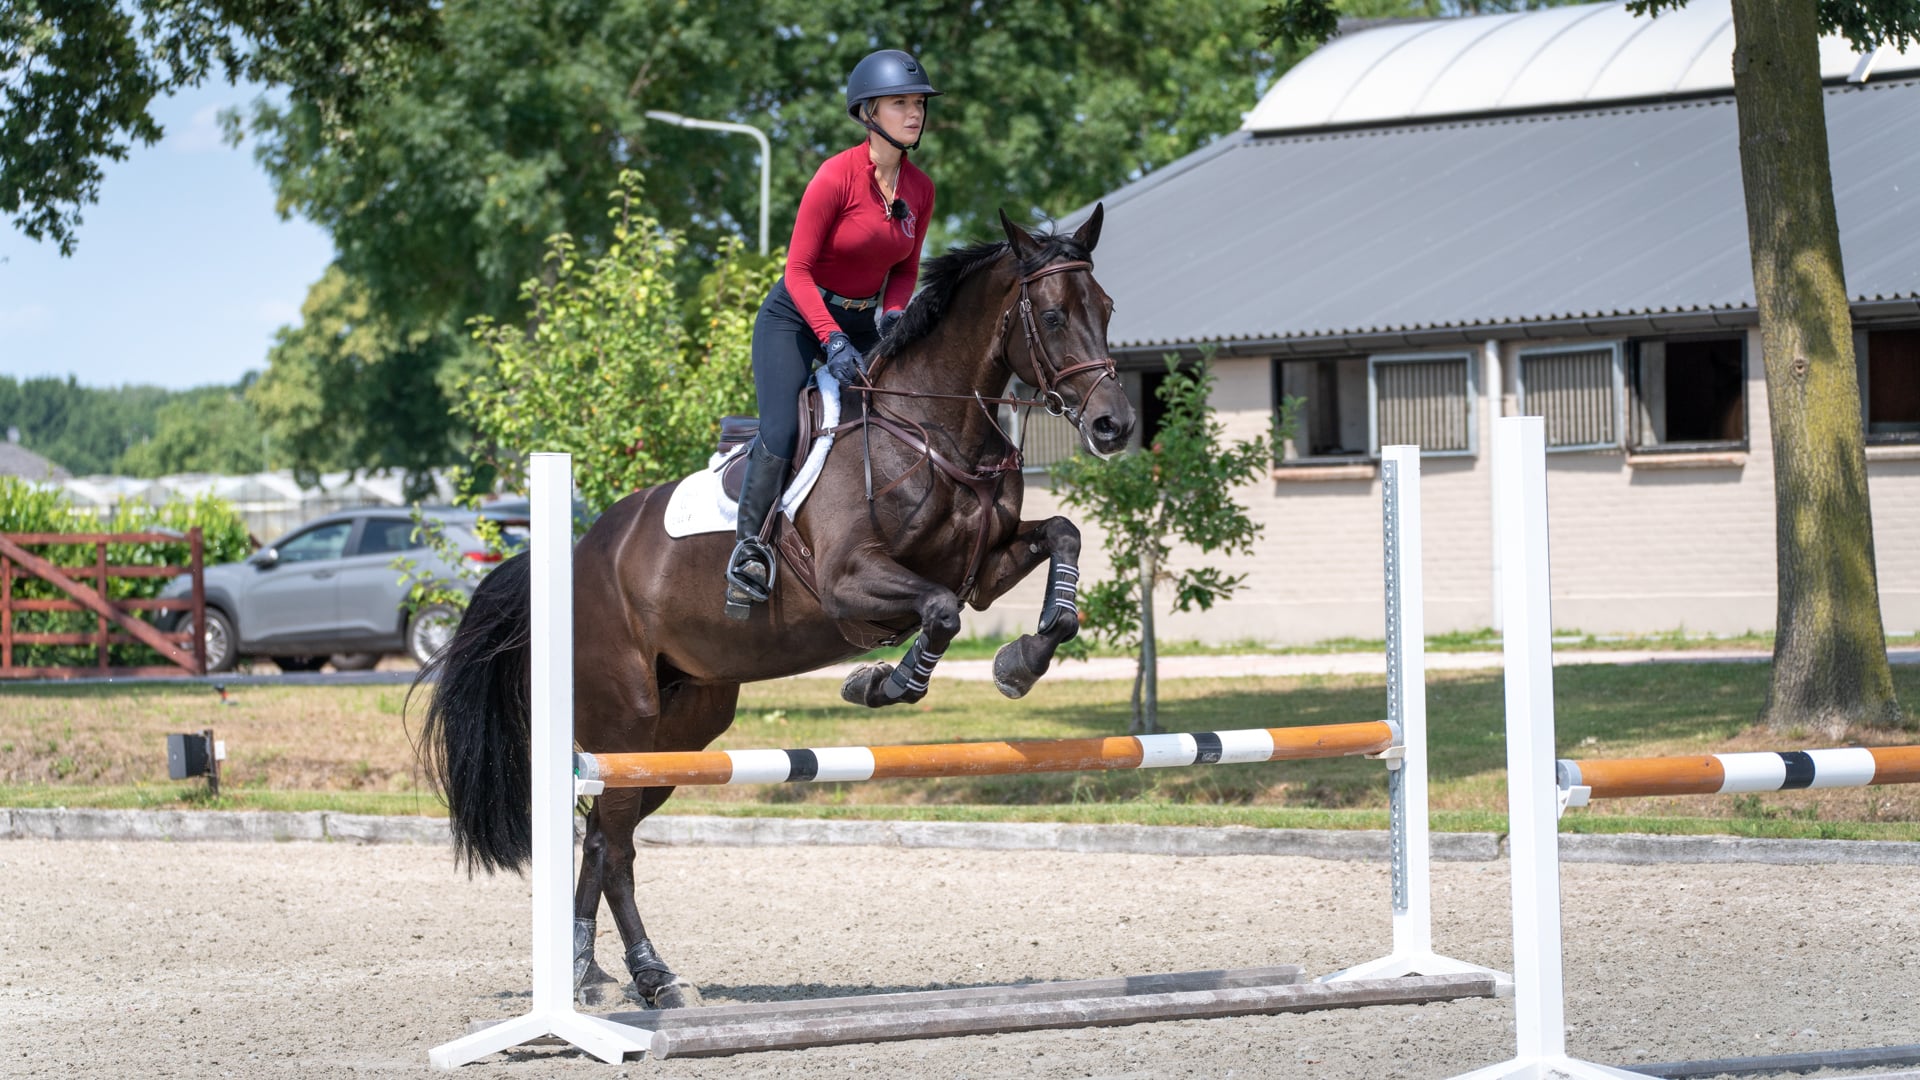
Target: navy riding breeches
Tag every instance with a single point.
(784, 352)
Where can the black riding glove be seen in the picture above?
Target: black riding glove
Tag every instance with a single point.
(887, 319)
(844, 362)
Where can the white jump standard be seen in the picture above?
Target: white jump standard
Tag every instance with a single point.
(1400, 741)
(1539, 788)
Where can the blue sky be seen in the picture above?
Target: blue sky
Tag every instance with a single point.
(182, 272)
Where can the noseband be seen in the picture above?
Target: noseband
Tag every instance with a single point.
(1047, 394)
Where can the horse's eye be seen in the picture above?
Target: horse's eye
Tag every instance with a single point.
(1054, 319)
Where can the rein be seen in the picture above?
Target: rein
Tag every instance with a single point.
(981, 479)
(1045, 396)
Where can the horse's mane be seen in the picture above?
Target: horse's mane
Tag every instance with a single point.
(944, 274)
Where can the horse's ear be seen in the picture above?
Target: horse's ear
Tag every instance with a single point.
(1024, 245)
(1088, 234)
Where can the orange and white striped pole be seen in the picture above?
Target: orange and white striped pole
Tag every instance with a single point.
(1718, 774)
(843, 763)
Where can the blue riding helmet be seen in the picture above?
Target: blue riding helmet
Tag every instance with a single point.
(884, 74)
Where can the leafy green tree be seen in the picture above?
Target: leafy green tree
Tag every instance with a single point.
(209, 430)
(441, 196)
(607, 368)
(1178, 489)
(82, 429)
(1830, 666)
(79, 79)
(351, 389)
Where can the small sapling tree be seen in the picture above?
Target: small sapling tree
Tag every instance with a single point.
(1178, 489)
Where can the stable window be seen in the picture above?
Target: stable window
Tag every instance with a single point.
(1331, 424)
(1689, 393)
(1351, 406)
(1424, 400)
(1579, 389)
(1890, 384)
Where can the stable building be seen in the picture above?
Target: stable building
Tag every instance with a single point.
(1427, 225)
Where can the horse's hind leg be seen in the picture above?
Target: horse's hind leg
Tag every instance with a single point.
(653, 981)
(591, 983)
(691, 717)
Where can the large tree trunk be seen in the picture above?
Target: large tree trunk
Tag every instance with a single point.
(1829, 655)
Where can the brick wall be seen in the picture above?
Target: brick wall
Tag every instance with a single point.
(1636, 549)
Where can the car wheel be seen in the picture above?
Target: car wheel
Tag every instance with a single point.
(221, 651)
(299, 663)
(429, 630)
(355, 661)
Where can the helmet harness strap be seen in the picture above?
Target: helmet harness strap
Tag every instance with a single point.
(866, 117)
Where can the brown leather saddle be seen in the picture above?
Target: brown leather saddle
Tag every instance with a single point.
(796, 554)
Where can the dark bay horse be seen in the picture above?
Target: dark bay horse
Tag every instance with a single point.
(910, 518)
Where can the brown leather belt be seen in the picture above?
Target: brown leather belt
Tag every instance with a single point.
(863, 303)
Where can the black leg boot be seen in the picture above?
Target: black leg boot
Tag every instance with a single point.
(750, 569)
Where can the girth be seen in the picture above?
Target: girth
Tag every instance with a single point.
(982, 480)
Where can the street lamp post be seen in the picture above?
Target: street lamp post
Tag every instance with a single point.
(766, 154)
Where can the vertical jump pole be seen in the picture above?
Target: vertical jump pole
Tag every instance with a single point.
(550, 550)
(1408, 838)
(1533, 796)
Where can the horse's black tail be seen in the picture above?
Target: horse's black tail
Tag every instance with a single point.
(477, 737)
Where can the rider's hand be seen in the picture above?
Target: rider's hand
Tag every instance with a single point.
(887, 319)
(844, 362)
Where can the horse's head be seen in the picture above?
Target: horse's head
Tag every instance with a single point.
(1059, 341)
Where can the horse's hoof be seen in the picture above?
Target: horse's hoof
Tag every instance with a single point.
(678, 994)
(593, 986)
(868, 686)
(1010, 671)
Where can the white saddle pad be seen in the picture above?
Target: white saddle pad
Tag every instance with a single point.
(700, 503)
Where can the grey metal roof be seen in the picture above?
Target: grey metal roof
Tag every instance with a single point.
(1500, 225)
(17, 460)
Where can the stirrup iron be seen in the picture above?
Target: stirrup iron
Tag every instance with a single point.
(743, 591)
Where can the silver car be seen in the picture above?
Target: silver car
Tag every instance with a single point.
(330, 590)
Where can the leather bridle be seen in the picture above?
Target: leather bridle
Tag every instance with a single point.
(1046, 394)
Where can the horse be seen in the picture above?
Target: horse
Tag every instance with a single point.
(916, 511)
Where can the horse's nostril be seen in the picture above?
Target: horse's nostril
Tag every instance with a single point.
(1104, 427)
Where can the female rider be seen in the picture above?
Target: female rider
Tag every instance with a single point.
(855, 253)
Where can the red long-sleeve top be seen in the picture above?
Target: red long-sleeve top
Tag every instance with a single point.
(843, 242)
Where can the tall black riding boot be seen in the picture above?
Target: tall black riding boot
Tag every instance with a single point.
(750, 570)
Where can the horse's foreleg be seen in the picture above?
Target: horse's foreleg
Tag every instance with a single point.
(1021, 662)
(881, 589)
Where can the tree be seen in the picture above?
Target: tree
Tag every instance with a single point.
(440, 196)
(351, 389)
(1830, 666)
(618, 364)
(78, 78)
(210, 430)
(1178, 488)
(82, 429)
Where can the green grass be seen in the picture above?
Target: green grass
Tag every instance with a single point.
(1481, 640)
(347, 749)
(193, 795)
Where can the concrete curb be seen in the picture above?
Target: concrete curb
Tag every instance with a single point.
(693, 830)
(1635, 849)
(190, 825)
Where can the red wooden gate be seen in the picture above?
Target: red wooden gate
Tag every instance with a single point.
(183, 649)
